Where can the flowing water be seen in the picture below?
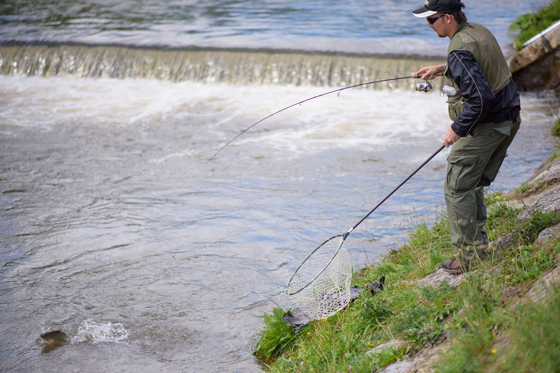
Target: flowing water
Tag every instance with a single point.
(115, 227)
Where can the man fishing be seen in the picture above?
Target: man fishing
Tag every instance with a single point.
(484, 106)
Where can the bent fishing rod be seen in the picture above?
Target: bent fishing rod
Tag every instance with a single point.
(424, 87)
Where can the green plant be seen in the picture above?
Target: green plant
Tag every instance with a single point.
(501, 219)
(472, 330)
(535, 340)
(527, 264)
(492, 198)
(538, 222)
(276, 337)
(555, 130)
(554, 156)
(525, 187)
(532, 23)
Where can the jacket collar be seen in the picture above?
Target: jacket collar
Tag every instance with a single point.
(459, 28)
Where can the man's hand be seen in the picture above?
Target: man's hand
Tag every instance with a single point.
(430, 72)
(450, 138)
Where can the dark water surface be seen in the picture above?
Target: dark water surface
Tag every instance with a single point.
(380, 27)
(116, 230)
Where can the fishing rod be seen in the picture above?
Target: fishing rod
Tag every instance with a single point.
(424, 87)
(393, 191)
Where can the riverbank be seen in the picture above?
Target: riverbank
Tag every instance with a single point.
(500, 316)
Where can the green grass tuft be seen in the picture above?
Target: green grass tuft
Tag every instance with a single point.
(531, 24)
(276, 337)
(555, 130)
(539, 221)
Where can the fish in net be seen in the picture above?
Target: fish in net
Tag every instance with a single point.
(320, 287)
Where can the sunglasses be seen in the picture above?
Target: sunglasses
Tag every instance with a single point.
(431, 21)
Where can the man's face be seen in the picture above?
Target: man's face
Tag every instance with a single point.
(438, 22)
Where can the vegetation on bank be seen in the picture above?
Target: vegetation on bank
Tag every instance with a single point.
(531, 24)
(555, 130)
(471, 318)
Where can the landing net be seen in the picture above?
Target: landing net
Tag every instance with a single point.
(320, 287)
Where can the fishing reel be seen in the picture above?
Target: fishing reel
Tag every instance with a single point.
(423, 87)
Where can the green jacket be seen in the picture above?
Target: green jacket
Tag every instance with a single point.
(478, 40)
(478, 71)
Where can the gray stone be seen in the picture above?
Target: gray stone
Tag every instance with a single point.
(545, 284)
(537, 66)
(395, 343)
(420, 363)
(546, 202)
(401, 366)
(501, 242)
(438, 277)
(550, 175)
(549, 234)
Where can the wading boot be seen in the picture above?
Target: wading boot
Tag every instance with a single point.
(455, 266)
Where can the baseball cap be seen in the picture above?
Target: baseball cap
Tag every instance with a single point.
(432, 7)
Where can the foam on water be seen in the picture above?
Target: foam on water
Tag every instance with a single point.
(101, 332)
(356, 118)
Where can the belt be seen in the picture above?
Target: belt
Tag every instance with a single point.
(510, 115)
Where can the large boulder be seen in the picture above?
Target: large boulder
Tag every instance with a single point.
(537, 66)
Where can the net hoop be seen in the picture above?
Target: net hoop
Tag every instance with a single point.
(318, 273)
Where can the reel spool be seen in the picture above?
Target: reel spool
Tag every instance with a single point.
(423, 87)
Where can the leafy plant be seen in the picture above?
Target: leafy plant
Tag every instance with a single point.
(276, 337)
(532, 23)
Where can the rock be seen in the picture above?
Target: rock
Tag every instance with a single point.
(550, 175)
(543, 75)
(401, 366)
(546, 202)
(438, 277)
(395, 343)
(549, 234)
(501, 242)
(420, 363)
(545, 284)
(536, 50)
(537, 66)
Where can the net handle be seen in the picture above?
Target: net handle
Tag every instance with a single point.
(322, 270)
(345, 235)
(394, 190)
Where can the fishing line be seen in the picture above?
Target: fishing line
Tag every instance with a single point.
(309, 99)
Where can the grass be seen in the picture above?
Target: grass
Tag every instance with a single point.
(526, 188)
(555, 130)
(541, 331)
(531, 24)
(469, 317)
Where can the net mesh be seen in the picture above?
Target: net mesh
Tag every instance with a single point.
(320, 287)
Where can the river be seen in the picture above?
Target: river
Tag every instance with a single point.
(119, 231)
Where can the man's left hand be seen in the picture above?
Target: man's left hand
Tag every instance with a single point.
(450, 138)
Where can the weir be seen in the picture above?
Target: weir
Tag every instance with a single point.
(208, 66)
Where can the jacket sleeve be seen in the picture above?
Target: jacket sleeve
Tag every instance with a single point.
(478, 98)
